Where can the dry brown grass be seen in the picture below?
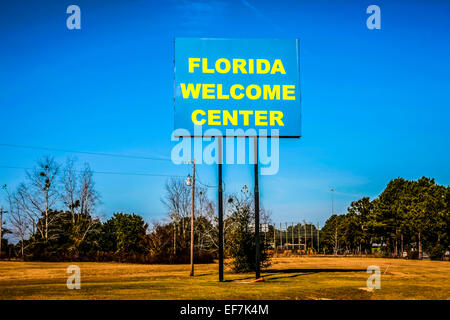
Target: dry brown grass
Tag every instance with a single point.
(287, 278)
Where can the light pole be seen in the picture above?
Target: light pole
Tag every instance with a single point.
(190, 182)
(332, 201)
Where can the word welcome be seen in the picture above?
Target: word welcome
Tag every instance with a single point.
(238, 91)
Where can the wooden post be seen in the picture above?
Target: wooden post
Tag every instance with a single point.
(292, 232)
(318, 239)
(287, 240)
(306, 240)
(281, 237)
(192, 218)
(402, 244)
(420, 247)
(175, 236)
(275, 239)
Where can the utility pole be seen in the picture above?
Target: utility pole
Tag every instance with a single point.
(287, 240)
(312, 237)
(292, 233)
(332, 201)
(192, 218)
(281, 237)
(275, 240)
(175, 236)
(1, 228)
(305, 236)
(265, 233)
(318, 238)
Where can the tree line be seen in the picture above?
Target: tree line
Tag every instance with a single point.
(52, 217)
(409, 218)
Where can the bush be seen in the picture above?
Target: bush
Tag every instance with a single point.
(241, 240)
(436, 252)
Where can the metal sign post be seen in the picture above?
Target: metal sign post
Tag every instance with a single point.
(220, 205)
(257, 240)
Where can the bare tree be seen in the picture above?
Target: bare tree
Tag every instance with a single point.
(177, 200)
(87, 194)
(178, 203)
(80, 199)
(79, 195)
(39, 195)
(19, 224)
(206, 220)
(69, 183)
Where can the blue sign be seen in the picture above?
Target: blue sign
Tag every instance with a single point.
(238, 85)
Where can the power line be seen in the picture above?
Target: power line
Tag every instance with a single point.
(109, 172)
(208, 186)
(138, 174)
(205, 185)
(115, 155)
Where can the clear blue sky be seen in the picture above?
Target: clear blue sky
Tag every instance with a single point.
(375, 103)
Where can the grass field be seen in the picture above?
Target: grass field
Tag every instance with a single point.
(287, 278)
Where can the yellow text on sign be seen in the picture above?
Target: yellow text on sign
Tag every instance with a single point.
(250, 66)
(237, 117)
(237, 91)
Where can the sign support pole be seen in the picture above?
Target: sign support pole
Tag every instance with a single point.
(220, 207)
(257, 240)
